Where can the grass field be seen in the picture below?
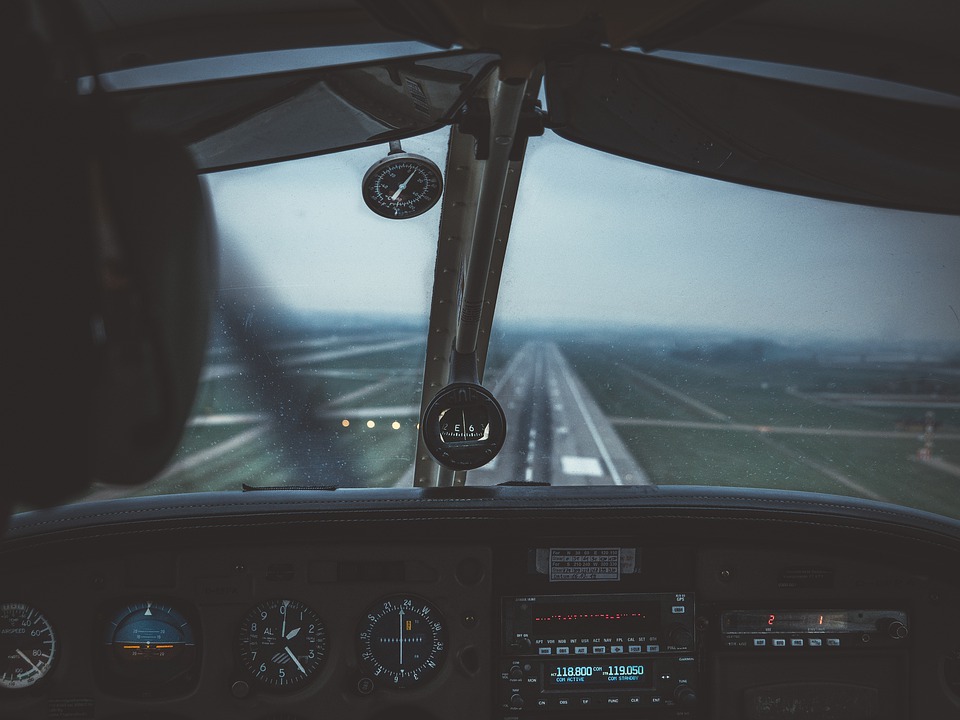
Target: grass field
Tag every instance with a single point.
(342, 410)
(767, 424)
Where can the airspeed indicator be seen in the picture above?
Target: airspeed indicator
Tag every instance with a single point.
(27, 646)
(403, 641)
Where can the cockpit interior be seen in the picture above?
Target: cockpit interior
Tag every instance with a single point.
(481, 360)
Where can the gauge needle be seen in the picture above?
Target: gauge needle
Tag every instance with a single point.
(401, 638)
(295, 661)
(283, 628)
(403, 186)
(292, 634)
(29, 661)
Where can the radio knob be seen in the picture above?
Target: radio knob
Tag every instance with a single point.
(894, 628)
(679, 636)
(515, 673)
(516, 701)
(685, 695)
(521, 645)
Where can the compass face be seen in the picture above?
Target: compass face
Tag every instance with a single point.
(402, 186)
(403, 641)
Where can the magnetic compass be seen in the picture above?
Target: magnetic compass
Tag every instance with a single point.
(402, 185)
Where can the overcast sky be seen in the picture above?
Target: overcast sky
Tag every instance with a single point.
(597, 236)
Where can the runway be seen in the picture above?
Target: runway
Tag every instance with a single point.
(556, 432)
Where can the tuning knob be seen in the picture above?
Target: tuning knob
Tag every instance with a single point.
(679, 636)
(685, 695)
(894, 628)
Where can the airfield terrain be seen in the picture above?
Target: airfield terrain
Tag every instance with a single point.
(340, 408)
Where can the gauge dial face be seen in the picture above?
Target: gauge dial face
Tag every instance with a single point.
(28, 646)
(463, 426)
(282, 644)
(402, 186)
(150, 642)
(403, 641)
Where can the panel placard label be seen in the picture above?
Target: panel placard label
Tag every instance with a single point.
(584, 564)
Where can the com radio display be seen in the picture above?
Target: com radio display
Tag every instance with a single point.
(561, 676)
(570, 619)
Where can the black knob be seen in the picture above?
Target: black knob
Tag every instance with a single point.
(516, 702)
(679, 636)
(516, 673)
(685, 695)
(894, 628)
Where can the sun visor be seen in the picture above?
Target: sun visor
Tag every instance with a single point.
(818, 134)
(246, 121)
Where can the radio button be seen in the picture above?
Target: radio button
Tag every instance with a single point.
(563, 651)
(599, 649)
(616, 648)
(634, 700)
(634, 649)
(563, 702)
(580, 650)
(815, 642)
(779, 642)
(653, 648)
(545, 651)
(543, 702)
(586, 701)
(796, 642)
(678, 609)
(613, 700)
(833, 642)
(759, 642)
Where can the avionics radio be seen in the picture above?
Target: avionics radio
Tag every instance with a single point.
(564, 653)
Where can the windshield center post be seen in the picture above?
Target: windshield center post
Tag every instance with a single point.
(463, 301)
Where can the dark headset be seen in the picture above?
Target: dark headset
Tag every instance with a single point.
(111, 275)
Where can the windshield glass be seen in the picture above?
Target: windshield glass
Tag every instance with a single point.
(652, 327)
(657, 327)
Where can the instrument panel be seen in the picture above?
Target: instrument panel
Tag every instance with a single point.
(500, 625)
(355, 630)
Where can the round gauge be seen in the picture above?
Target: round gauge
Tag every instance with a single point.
(403, 641)
(282, 643)
(463, 426)
(402, 185)
(149, 644)
(27, 646)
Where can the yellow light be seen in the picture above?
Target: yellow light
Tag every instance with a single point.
(396, 425)
(345, 423)
(371, 424)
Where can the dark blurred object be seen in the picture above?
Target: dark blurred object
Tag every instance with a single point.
(781, 135)
(110, 274)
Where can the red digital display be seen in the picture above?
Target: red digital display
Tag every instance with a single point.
(595, 619)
